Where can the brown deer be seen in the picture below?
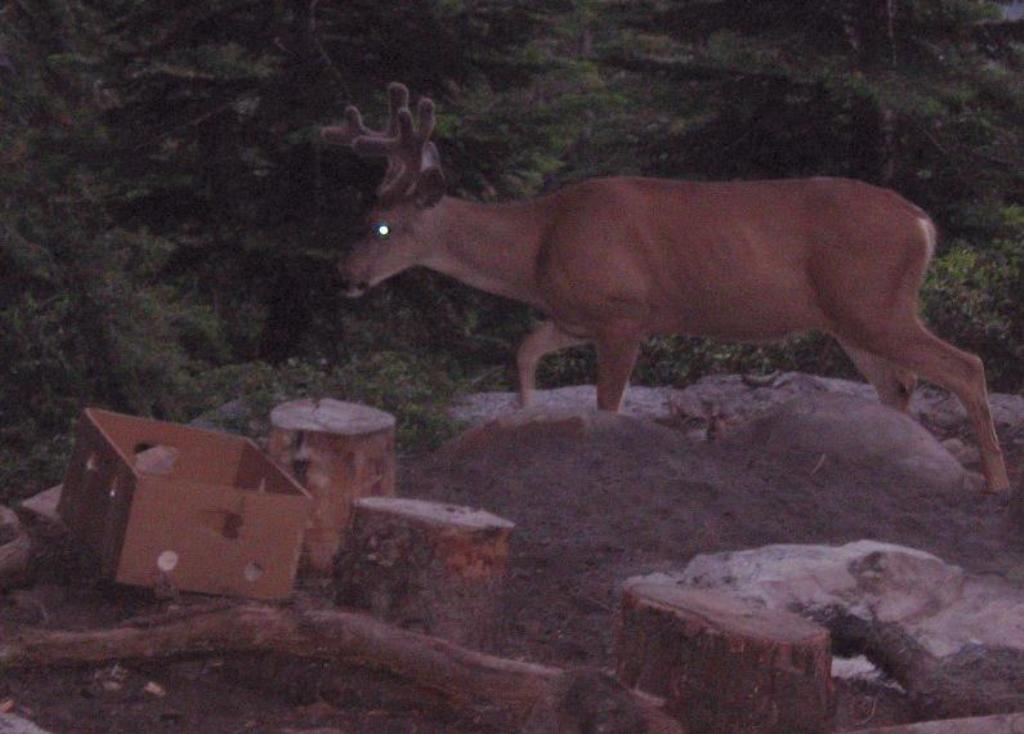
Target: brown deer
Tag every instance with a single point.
(615, 260)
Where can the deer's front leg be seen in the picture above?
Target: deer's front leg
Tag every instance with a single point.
(546, 338)
(617, 350)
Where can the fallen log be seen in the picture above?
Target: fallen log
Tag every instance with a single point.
(977, 680)
(528, 690)
(1002, 724)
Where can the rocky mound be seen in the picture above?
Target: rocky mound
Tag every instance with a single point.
(598, 498)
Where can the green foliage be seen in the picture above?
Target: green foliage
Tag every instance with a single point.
(84, 314)
(413, 388)
(973, 298)
(919, 95)
(679, 360)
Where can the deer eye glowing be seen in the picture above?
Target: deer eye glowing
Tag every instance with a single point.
(382, 230)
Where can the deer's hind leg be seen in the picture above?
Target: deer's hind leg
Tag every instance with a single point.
(906, 342)
(894, 384)
(618, 345)
(546, 338)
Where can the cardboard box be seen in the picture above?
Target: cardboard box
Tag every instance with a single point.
(161, 503)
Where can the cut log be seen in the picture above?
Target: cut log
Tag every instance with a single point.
(432, 567)
(456, 672)
(339, 452)
(724, 665)
(15, 549)
(1017, 507)
(1002, 724)
(42, 507)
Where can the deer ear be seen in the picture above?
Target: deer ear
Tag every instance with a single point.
(429, 188)
(430, 183)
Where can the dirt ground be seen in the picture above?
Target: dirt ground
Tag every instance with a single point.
(592, 507)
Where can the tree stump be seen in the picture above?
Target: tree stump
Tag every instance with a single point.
(725, 666)
(426, 566)
(999, 724)
(15, 549)
(339, 452)
(1017, 507)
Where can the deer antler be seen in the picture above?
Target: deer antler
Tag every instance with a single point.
(409, 152)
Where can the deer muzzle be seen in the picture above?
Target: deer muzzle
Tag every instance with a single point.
(354, 289)
(353, 285)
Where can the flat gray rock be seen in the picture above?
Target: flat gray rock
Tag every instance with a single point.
(11, 724)
(935, 603)
(738, 399)
(639, 402)
(841, 427)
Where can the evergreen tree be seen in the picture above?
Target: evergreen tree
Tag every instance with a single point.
(921, 95)
(84, 317)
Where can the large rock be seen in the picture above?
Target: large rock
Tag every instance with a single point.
(933, 602)
(546, 425)
(855, 431)
(870, 580)
(12, 724)
(740, 399)
(639, 402)
(845, 430)
(736, 397)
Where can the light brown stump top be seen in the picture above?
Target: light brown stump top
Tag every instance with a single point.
(327, 415)
(716, 611)
(436, 514)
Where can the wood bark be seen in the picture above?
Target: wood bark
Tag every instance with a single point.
(15, 549)
(339, 452)
(456, 672)
(724, 665)
(1001, 724)
(433, 567)
(974, 681)
(1017, 507)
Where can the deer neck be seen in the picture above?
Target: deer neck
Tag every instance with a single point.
(492, 247)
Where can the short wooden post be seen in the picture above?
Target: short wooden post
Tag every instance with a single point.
(724, 666)
(15, 549)
(339, 452)
(1017, 508)
(426, 566)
